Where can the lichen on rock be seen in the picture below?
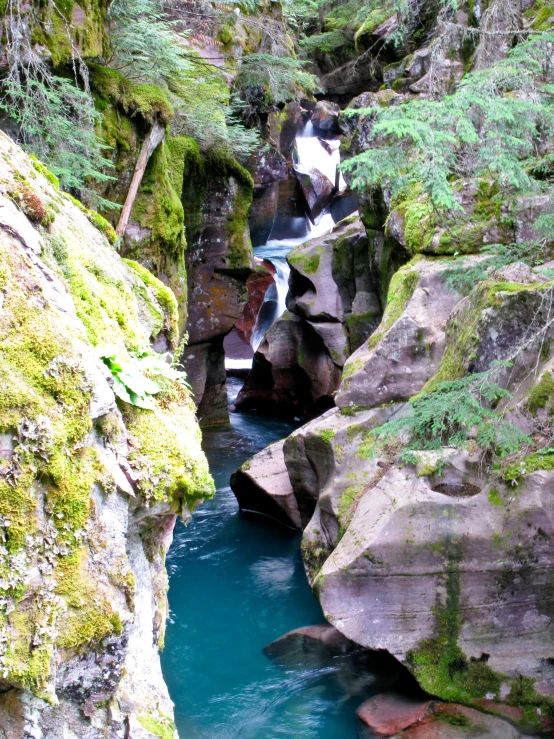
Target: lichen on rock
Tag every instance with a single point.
(81, 473)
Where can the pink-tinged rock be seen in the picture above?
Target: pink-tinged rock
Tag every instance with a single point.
(388, 713)
(262, 485)
(451, 721)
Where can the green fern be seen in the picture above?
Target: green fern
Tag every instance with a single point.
(455, 412)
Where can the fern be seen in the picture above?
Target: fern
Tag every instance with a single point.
(487, 128)
(279, 77)
(455, 412)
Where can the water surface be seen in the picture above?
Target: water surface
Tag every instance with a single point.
(236, 584)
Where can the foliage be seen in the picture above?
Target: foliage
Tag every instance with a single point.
(131, 383)
(455, 412)
(463, 278)
(55, 116)
(489, 127)
(145, 44)
(280, 77)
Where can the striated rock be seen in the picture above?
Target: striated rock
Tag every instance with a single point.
(407, 348)
(89, 487)
(390, 713)
(333, 307)
(262, 484)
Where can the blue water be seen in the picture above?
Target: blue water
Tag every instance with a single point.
(236, 584)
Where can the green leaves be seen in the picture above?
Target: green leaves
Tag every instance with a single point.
(489, 127)
(129, 383)
(455, 412)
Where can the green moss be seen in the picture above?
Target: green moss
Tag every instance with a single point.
(401, 289)
(90, 616)
(305, 259)
(159, 208)
(327, 436)
(541, 394)
(159, 725)
(43, 169)
(96, 219)
(165, 451)
(438, 663)
(147, 101)
(531, 463)
(164, 295)
(494, 497)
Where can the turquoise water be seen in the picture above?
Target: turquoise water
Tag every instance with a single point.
(236, 584)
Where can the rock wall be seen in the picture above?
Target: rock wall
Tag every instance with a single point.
(90, 486)
(442, 555)
(333, 305)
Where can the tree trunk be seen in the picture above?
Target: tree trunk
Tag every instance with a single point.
(155, 137)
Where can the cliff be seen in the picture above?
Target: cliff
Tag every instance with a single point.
(90, 485)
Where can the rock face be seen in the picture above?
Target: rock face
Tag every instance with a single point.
(219, 261)
(89, 487)
(333, 307)
(432, 547)
(263, 485)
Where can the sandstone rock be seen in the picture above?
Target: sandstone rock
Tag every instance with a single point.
(88, 509)
(389, 713)
(262, 484)
(407, 348)
(450, 721)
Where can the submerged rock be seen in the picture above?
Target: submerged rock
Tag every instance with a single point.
(390, 713)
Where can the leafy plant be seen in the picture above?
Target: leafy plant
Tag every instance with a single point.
(129, 383)
(280, 77)
(456, 411)
(489, 127)
(55, 116)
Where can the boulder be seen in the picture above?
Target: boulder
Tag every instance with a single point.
(262, 484)
(451, 721)
(391, 712)
(333, 307)
(326, 116)
(406, 350)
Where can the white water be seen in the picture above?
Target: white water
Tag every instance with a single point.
(311, 154)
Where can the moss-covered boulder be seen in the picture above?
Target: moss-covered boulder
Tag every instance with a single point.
(89, 485)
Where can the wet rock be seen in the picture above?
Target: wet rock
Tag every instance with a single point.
(262, 485)
(333, 307)
(325, 116)
(257, 286)
(356, 671)
(451, 721)
(389, 713)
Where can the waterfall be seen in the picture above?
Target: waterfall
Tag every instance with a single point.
(274, 304)
(310, 153)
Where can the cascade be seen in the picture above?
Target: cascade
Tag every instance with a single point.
(311, 153)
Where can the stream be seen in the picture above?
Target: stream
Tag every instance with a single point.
(236, 584)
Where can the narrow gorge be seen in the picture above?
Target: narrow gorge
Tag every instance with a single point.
(276, 356)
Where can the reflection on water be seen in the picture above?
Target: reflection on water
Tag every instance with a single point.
(237, 584)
